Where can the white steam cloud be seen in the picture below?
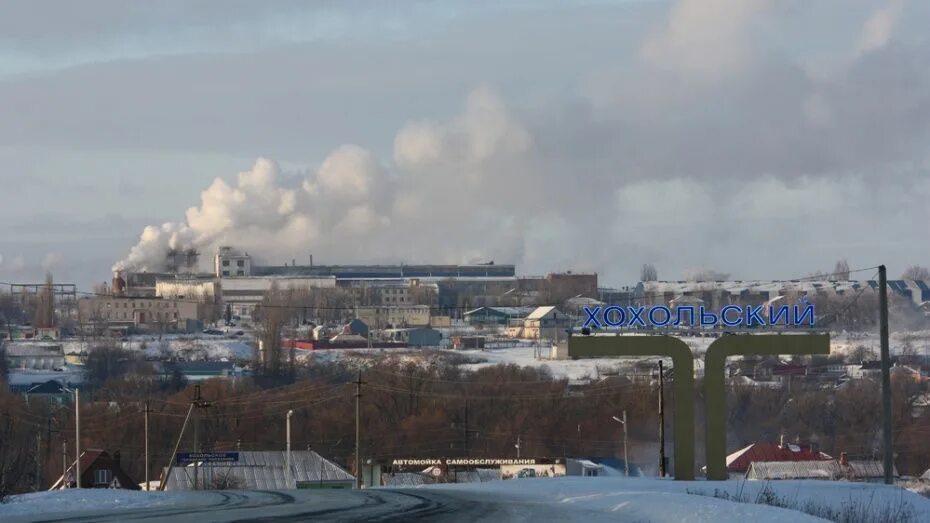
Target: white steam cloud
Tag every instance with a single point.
(704, 141)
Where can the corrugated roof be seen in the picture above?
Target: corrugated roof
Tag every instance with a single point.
(832, 470)
(766, 470)
(264, 470)
(541, 312)
(740, 460)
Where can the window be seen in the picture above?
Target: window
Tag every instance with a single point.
(225, 263)
(240, 263)
(103, 477)
(225, 273)
(240, 273)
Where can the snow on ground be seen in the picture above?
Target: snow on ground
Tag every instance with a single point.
(668, 500)
(73, 500)
(68, 374)
(187, 346)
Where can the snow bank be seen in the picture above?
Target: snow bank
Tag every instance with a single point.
(75, 500)
(667, 500)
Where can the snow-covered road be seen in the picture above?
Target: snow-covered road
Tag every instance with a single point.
(562, 499)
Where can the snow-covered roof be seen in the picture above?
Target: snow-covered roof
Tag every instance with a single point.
(541, 312)
(754, 286)
(30, 349)
(265, 470)
(766, 470)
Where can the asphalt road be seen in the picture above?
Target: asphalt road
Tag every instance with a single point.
(328, 505)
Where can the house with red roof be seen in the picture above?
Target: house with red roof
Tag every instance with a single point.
(738, 462)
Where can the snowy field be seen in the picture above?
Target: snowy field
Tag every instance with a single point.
(190, 347)
(561, 499)
(642, 499)
(73, 500)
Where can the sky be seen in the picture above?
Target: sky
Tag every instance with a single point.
(760, 138)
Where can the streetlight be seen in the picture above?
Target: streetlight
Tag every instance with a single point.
(626, 461)
(287, 466)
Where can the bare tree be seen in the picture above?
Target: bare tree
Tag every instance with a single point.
(916, 272)
(840, 271)
(648, 273)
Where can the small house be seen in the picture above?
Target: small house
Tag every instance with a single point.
(97, 470)
(52, 392)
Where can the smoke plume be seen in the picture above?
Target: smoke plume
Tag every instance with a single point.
(707, 139)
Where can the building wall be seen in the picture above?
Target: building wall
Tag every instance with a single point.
(186, 289)
(381, 317)
(244, 294)
(140, 311)
(228, 263)
(30, 355)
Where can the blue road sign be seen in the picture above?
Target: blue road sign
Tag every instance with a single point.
(207, 457)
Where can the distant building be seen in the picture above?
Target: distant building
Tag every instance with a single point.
(265, 470)
(501, 316)
(139, 312)
(51, 392)
(842, 469)
(739, 461)
(32, 355)
(418, 337)
(546, 322)
(380, 317)
(716, 294)
(97, 470)
(228, 263)
(200, 370)
(243, 295)
(357, 327)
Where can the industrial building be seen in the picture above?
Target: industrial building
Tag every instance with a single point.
(264, 470)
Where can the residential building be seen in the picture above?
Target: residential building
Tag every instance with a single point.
(380, 317)
(739, 461)
(98, 469)
(51, 392)
(546, 322)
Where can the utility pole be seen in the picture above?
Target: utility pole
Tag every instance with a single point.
(626, 463)
(358, 439)
(626, 460)
(200, 404)
(77, 438)
(287, 457)
(465, 446)
(146, 412)
(38, 460)
(662, 470)
(177, 445)
(886, 374)
(64, 464)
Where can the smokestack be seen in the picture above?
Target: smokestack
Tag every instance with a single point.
(311, 260)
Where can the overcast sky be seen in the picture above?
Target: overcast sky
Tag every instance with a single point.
(761, 138)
